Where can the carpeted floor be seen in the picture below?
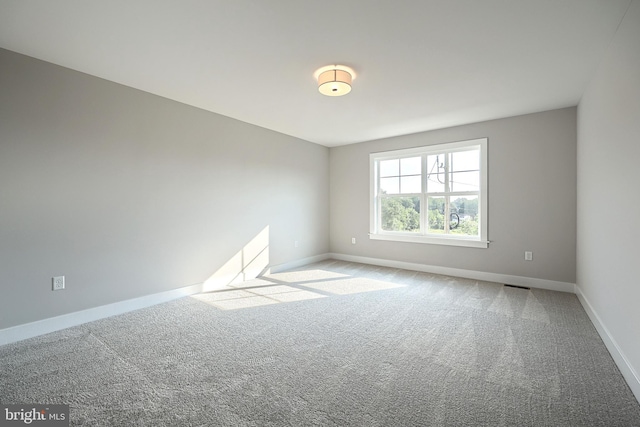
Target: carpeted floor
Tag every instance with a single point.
(332, 344)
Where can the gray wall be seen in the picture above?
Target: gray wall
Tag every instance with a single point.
(609, 188)
(128, 194)
(532, 198)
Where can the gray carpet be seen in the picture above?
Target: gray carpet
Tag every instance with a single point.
(332, 344)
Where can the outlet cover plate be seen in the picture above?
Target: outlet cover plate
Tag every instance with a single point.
(58, 283)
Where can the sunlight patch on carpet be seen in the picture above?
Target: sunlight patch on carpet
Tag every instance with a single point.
(255, 297)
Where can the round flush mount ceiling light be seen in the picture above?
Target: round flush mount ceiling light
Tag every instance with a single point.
(334, 80)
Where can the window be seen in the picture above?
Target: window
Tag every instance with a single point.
(434, 194)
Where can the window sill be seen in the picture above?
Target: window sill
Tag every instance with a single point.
(448, 241)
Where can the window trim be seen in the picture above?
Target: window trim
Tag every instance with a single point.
(448, 239)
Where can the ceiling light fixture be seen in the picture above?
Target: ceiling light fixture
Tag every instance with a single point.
(334, 80)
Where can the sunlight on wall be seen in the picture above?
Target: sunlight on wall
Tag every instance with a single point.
(250, 262)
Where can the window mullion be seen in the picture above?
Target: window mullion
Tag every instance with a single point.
(423, 198)
(378, 199)
(447, 198)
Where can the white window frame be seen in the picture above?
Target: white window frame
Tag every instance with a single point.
(375, 230)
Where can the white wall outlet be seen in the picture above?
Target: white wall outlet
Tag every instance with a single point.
(58, 283)
(353, 240)
(528, 256)
(296, 244)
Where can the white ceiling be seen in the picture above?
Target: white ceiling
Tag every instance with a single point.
(420, 64)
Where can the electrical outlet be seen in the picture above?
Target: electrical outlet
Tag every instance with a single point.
(528, 256)
(295, 244)
(353, 240)
(58, 283)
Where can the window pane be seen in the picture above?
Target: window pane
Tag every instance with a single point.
(389, 185)
(435, 173)
(411, 166)
(465, 211)
(389, 168)
(400, 214)
(465, 161)
(410, 184)
(465, 171)
(436, 214)
(464, 181)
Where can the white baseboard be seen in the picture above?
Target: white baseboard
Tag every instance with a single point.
(529, 282)
(52, 324)
(627, 370)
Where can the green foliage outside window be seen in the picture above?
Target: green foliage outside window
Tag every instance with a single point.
(403, 214)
